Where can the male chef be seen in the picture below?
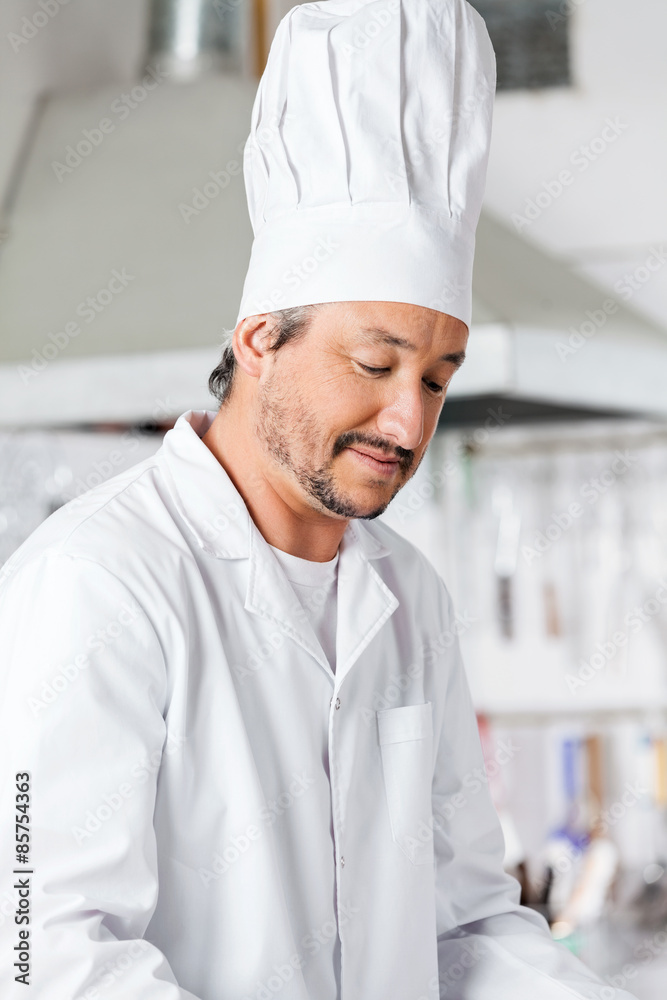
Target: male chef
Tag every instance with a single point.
(200, 797)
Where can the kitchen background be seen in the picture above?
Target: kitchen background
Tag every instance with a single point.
(124, 239)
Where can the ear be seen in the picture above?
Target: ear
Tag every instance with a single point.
(250, 342)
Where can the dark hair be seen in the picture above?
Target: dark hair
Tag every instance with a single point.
(290, 325)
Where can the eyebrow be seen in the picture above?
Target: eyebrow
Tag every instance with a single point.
(379, 335)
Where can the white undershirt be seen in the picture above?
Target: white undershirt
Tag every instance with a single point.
(315, 584)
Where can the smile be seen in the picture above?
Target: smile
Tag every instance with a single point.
(387, 468)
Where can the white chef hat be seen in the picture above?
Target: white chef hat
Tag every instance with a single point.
(366, 160)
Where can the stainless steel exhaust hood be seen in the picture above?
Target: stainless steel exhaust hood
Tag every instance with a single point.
(190, 37)
(129, 233)
(130, 237)
(550, 343)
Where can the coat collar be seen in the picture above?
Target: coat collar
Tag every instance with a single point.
(215, 512)
(210, 504)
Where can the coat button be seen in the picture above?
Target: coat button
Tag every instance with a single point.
(337, 703)
(342, 862)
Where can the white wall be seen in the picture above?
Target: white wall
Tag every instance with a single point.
(611, 215)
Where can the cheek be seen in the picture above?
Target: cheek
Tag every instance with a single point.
(350, 390)
(341, 407)
(431, 418)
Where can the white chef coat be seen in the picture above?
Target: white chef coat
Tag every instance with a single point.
(316, 586)
(214, 813)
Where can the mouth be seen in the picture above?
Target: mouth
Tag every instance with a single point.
(386, 467)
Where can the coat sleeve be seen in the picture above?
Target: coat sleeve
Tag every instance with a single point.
(489, 947)
(82, 697)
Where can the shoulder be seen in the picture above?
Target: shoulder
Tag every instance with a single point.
(106, 525)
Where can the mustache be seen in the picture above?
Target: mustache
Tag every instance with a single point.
(404, 456)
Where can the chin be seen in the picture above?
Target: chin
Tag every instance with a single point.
(373, 507)
(373, 514)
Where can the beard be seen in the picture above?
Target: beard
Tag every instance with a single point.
(288, 426)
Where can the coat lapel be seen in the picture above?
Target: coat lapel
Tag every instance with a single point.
(270, 595)
(364, 600)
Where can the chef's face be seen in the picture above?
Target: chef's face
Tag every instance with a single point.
(346, 411)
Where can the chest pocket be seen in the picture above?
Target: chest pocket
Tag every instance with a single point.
(405, 736)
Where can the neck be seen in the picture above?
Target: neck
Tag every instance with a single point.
(275, 502)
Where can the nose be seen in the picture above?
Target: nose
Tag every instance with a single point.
(401, 419)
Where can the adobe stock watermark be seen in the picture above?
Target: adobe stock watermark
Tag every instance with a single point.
(104, 468)
(564, 10)
(582, 159)
(373, 26)
(298, 273)
(219, 180)
(596, 319)
(312, 942)
(317, 937)
(110, 972)
(605, 652)
(645, 952)
(635, 280)
(569, 854)
(436, 142)
(88, 310)
(224, 8)
(51, 690)
(92, 138)
(240, 844)
(459, 956)
(257, 658)
(472, 784)
(451, 291)
(580, 335)
(632, 794)
(467, 955)
(32, 24)
(262, 655)
(112, 802)
(565, 855)
(592, 491)
(228, 513)
(431, 652)
(411, 499)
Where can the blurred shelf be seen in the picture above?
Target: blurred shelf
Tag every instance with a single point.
(541, 712)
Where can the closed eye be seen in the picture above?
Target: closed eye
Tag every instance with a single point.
(368, 368)
(433, 386)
